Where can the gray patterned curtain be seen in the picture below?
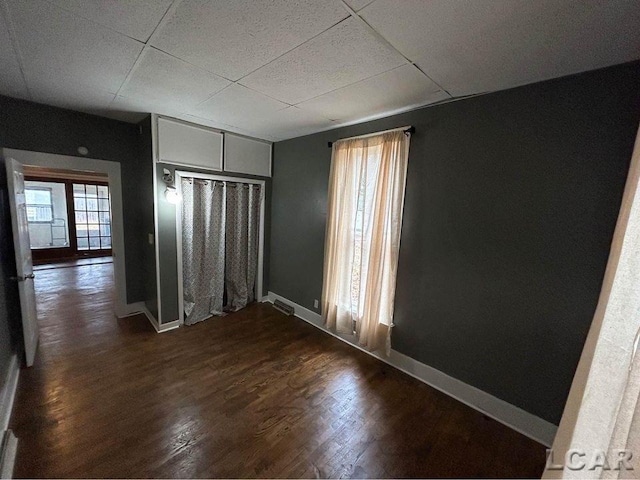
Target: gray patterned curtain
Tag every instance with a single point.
(242, 224)
(203, 248)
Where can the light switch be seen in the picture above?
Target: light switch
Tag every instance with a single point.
(151, 239)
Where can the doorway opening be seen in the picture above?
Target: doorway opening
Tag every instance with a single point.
(110, 292)
(69, 219)
(69, 214)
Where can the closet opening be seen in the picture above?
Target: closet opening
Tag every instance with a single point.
(220, 244)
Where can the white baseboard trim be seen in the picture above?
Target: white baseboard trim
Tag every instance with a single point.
(8, 393)
(140, 307)
(165, 327)
(514, 417)
(8, 450)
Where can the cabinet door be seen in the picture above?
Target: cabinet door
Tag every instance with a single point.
(245, 155)
(187, 144)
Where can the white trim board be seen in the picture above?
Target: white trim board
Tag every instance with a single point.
(112, 169)
(141, 308)
(8, 451)
(8, 393)
(514, 417)
(156, 228)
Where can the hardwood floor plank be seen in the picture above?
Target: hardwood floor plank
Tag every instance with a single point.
(252, 394)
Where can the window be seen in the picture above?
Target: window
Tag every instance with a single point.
(46, 206)
(93, 216)
(39, 204)
(364, 217)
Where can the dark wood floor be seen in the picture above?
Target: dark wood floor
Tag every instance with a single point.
(253, 394)
(72, 263)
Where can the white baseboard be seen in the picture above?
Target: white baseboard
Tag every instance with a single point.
(165, 327)
(8, 393)
(514, 417)
(8, 451)
(8, 442)
(140, 307)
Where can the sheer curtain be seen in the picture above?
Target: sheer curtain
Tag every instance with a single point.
(203, 248)
(366, 196)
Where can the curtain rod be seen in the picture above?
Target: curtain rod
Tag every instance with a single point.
(227, 183)
(407, 130)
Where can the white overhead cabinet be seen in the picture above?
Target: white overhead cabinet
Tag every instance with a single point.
(190, 145)
(187, 144)
(246, 155)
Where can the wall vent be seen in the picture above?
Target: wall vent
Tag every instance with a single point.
(283, 307)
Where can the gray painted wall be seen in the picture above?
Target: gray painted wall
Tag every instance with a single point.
(167, 241)
(510, 208)
(146, 226)
(30, 126)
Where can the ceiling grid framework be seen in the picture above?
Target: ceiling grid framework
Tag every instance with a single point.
(12, 81)
(286, 68)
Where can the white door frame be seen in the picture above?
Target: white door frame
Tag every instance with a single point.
(112, 170)
(221, 178)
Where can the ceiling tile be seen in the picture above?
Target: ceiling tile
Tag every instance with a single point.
(134, 107)
(345, 54)
(70, 95)
(477, 46)
(274, 125)
(233, 38)
(61, 47)
(251, 113)
(170, 82)
(134, 18)
(358, 4)
(388, 92)
(289, 123)
(222, 126)
(236, 105)
(11, 80)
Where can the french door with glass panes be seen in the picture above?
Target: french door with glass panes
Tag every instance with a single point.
(92, 218)
(67, 219)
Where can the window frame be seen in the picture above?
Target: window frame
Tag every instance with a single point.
(50, 204)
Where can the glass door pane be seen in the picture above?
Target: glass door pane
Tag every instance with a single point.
(93, 216)
(47, 214)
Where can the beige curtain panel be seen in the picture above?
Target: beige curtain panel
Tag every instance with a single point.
(366, 196)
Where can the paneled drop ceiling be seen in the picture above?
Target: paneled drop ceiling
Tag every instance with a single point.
(278, 69)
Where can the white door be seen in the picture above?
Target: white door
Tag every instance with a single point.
(24, 266)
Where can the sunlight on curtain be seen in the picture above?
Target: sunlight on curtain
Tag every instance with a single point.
(366, 196)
